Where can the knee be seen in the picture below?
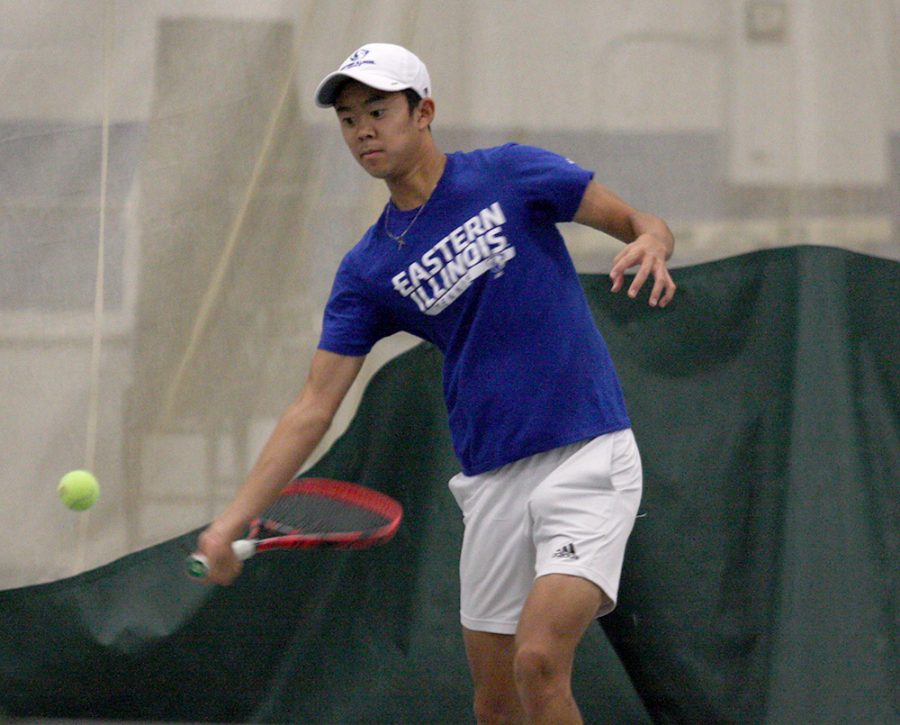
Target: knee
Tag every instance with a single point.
(538, 672)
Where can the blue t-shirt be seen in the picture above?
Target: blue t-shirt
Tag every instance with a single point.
(486, 277)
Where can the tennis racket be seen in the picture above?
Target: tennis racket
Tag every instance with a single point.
(314, 513)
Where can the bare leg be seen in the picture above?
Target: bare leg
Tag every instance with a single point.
(556, 615)
(491, 664)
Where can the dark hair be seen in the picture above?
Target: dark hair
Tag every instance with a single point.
(412, 99)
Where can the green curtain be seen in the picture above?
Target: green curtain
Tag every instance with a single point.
(759, 585)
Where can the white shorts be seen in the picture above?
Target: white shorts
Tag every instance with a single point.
(566, 511)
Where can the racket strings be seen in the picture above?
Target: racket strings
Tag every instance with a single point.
(312, 514)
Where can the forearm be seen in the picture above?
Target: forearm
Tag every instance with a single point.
(648, 239)
(601, 209)
(299, 430)
(295, 437)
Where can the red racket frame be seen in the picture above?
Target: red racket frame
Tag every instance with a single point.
(350, 493)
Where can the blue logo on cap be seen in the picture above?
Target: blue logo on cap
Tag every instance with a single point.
(357, 59)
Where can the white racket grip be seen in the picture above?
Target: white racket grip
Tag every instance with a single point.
(243, 548)
(198, 564)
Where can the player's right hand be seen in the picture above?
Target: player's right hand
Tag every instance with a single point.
(224, 566)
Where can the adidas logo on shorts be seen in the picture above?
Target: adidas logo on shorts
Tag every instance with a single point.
(565, 552)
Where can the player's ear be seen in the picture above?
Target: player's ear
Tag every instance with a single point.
(425, 112)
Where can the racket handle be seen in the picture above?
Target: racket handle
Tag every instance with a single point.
(198, 564)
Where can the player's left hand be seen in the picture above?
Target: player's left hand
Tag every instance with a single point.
(649, 253)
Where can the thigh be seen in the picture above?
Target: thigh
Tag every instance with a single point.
(496, 565)
(582, 514)
(557, 612)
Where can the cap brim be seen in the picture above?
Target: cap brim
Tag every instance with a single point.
(327, 92)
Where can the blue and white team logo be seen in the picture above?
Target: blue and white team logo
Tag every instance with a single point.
(451, 266)
(358, 59)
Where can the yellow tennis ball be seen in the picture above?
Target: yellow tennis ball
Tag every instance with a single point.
(78, 490)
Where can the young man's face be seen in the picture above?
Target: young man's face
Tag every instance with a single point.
(381, 133)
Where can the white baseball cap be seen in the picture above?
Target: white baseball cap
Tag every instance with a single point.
(383, 66)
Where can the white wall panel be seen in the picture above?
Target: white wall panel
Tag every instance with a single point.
(810, 106)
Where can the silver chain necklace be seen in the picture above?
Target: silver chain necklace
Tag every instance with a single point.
(401, 239)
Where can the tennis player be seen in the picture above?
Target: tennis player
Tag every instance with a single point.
(466, 254)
